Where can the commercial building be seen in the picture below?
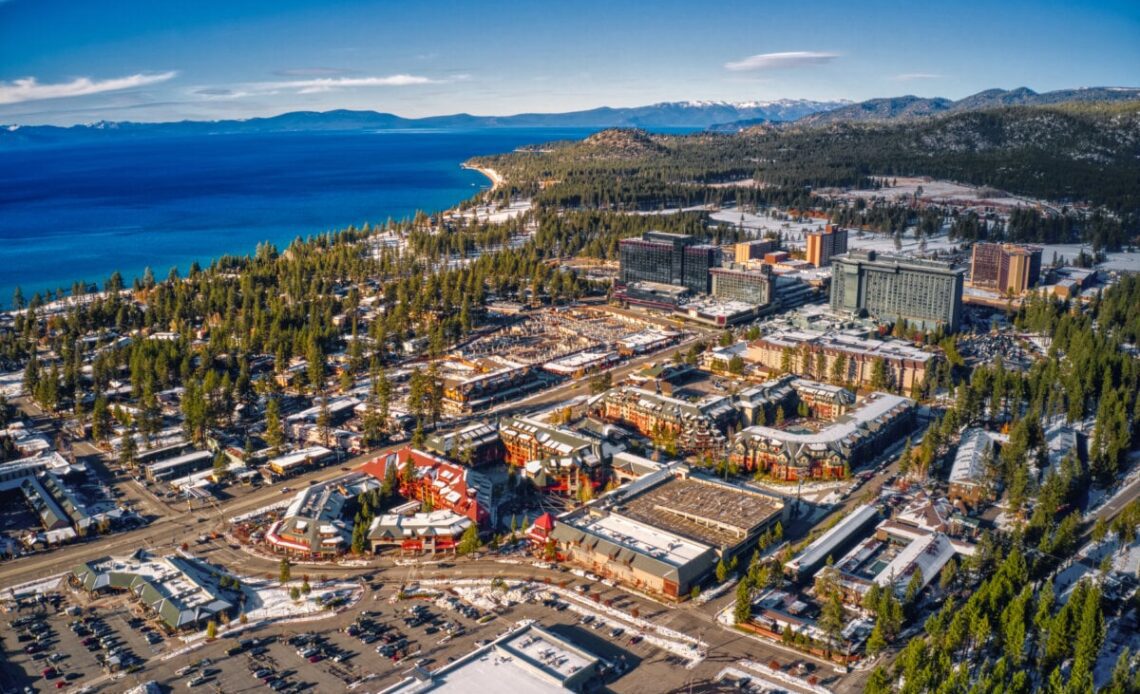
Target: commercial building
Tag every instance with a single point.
(831, 451)
(314, 526)
(418, 533)
(672, 259)
(474, 445)
(525, 659)
(554, 458)
(699, 260)
(179, 466)
(655, 257)
(696, 426)
(926, 294)
(822, 246)
(968, 473)
(182, 592)
(1004, 267)
(474, 493)
(753, 250)
(299, 460)
(664, 533)
(846, 358)
(739, 284)
(833, 542)
(475, 384)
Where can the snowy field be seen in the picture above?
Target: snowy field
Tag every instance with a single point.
(938, 192)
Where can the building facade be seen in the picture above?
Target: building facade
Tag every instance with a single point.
(832, 451)
(673, 259)
(749, 286)
(843, 358)
(695, 426)
(822, 246)
(753, 250)
(1004, 267)
(925, 293)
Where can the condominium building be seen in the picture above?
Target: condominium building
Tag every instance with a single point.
(739, 284)
(831, 451)
(843, 358)
(1004, 267)
(926, 294)
(696, 426)
(822, 246)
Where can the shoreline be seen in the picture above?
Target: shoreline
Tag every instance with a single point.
(497, 179)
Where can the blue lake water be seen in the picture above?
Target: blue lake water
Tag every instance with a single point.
(81, 212)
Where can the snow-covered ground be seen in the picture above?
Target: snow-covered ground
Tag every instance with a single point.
(12, 383)
(493, 214)
(41, 585)
(938, 192)
(481, 594)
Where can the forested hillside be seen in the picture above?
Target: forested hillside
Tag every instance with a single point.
(1070, 153)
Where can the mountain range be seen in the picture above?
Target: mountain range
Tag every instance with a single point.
(913, 107)
(679, 114)
(722, 116)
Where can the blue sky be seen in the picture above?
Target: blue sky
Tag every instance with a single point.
(63, 61)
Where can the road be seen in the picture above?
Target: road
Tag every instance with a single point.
(176, 525)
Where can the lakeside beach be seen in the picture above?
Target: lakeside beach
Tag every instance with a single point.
(496, 178)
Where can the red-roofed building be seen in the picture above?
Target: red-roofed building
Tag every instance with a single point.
(439, 482)
(539, 533)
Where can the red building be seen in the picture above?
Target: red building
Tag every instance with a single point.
(439, 483)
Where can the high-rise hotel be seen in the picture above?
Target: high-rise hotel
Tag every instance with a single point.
(926, 294)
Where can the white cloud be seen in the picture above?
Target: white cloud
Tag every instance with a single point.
(911, 76)
(30, 89)
(778, 61)
(324, 84)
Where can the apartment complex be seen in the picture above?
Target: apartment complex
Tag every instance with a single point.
(822, 246)
(926, 294)
(831, 451)
(842, 357)
(739, 284)
(1004, 267)
(696, 426)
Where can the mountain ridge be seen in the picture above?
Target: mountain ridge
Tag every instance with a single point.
(910, 107)
(676, 114)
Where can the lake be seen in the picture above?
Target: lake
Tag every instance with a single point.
(80, 212)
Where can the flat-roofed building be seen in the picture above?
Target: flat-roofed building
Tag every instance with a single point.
(926, 294)
(527, 659)
(753, 250)
(739, 284)
(655, 257)
(664, 532)
(846, 358)
(822, 246)
(179, 466)
(1004, 267)
(647, 558)
(298, 460)
(831, 451)
(833, 542)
